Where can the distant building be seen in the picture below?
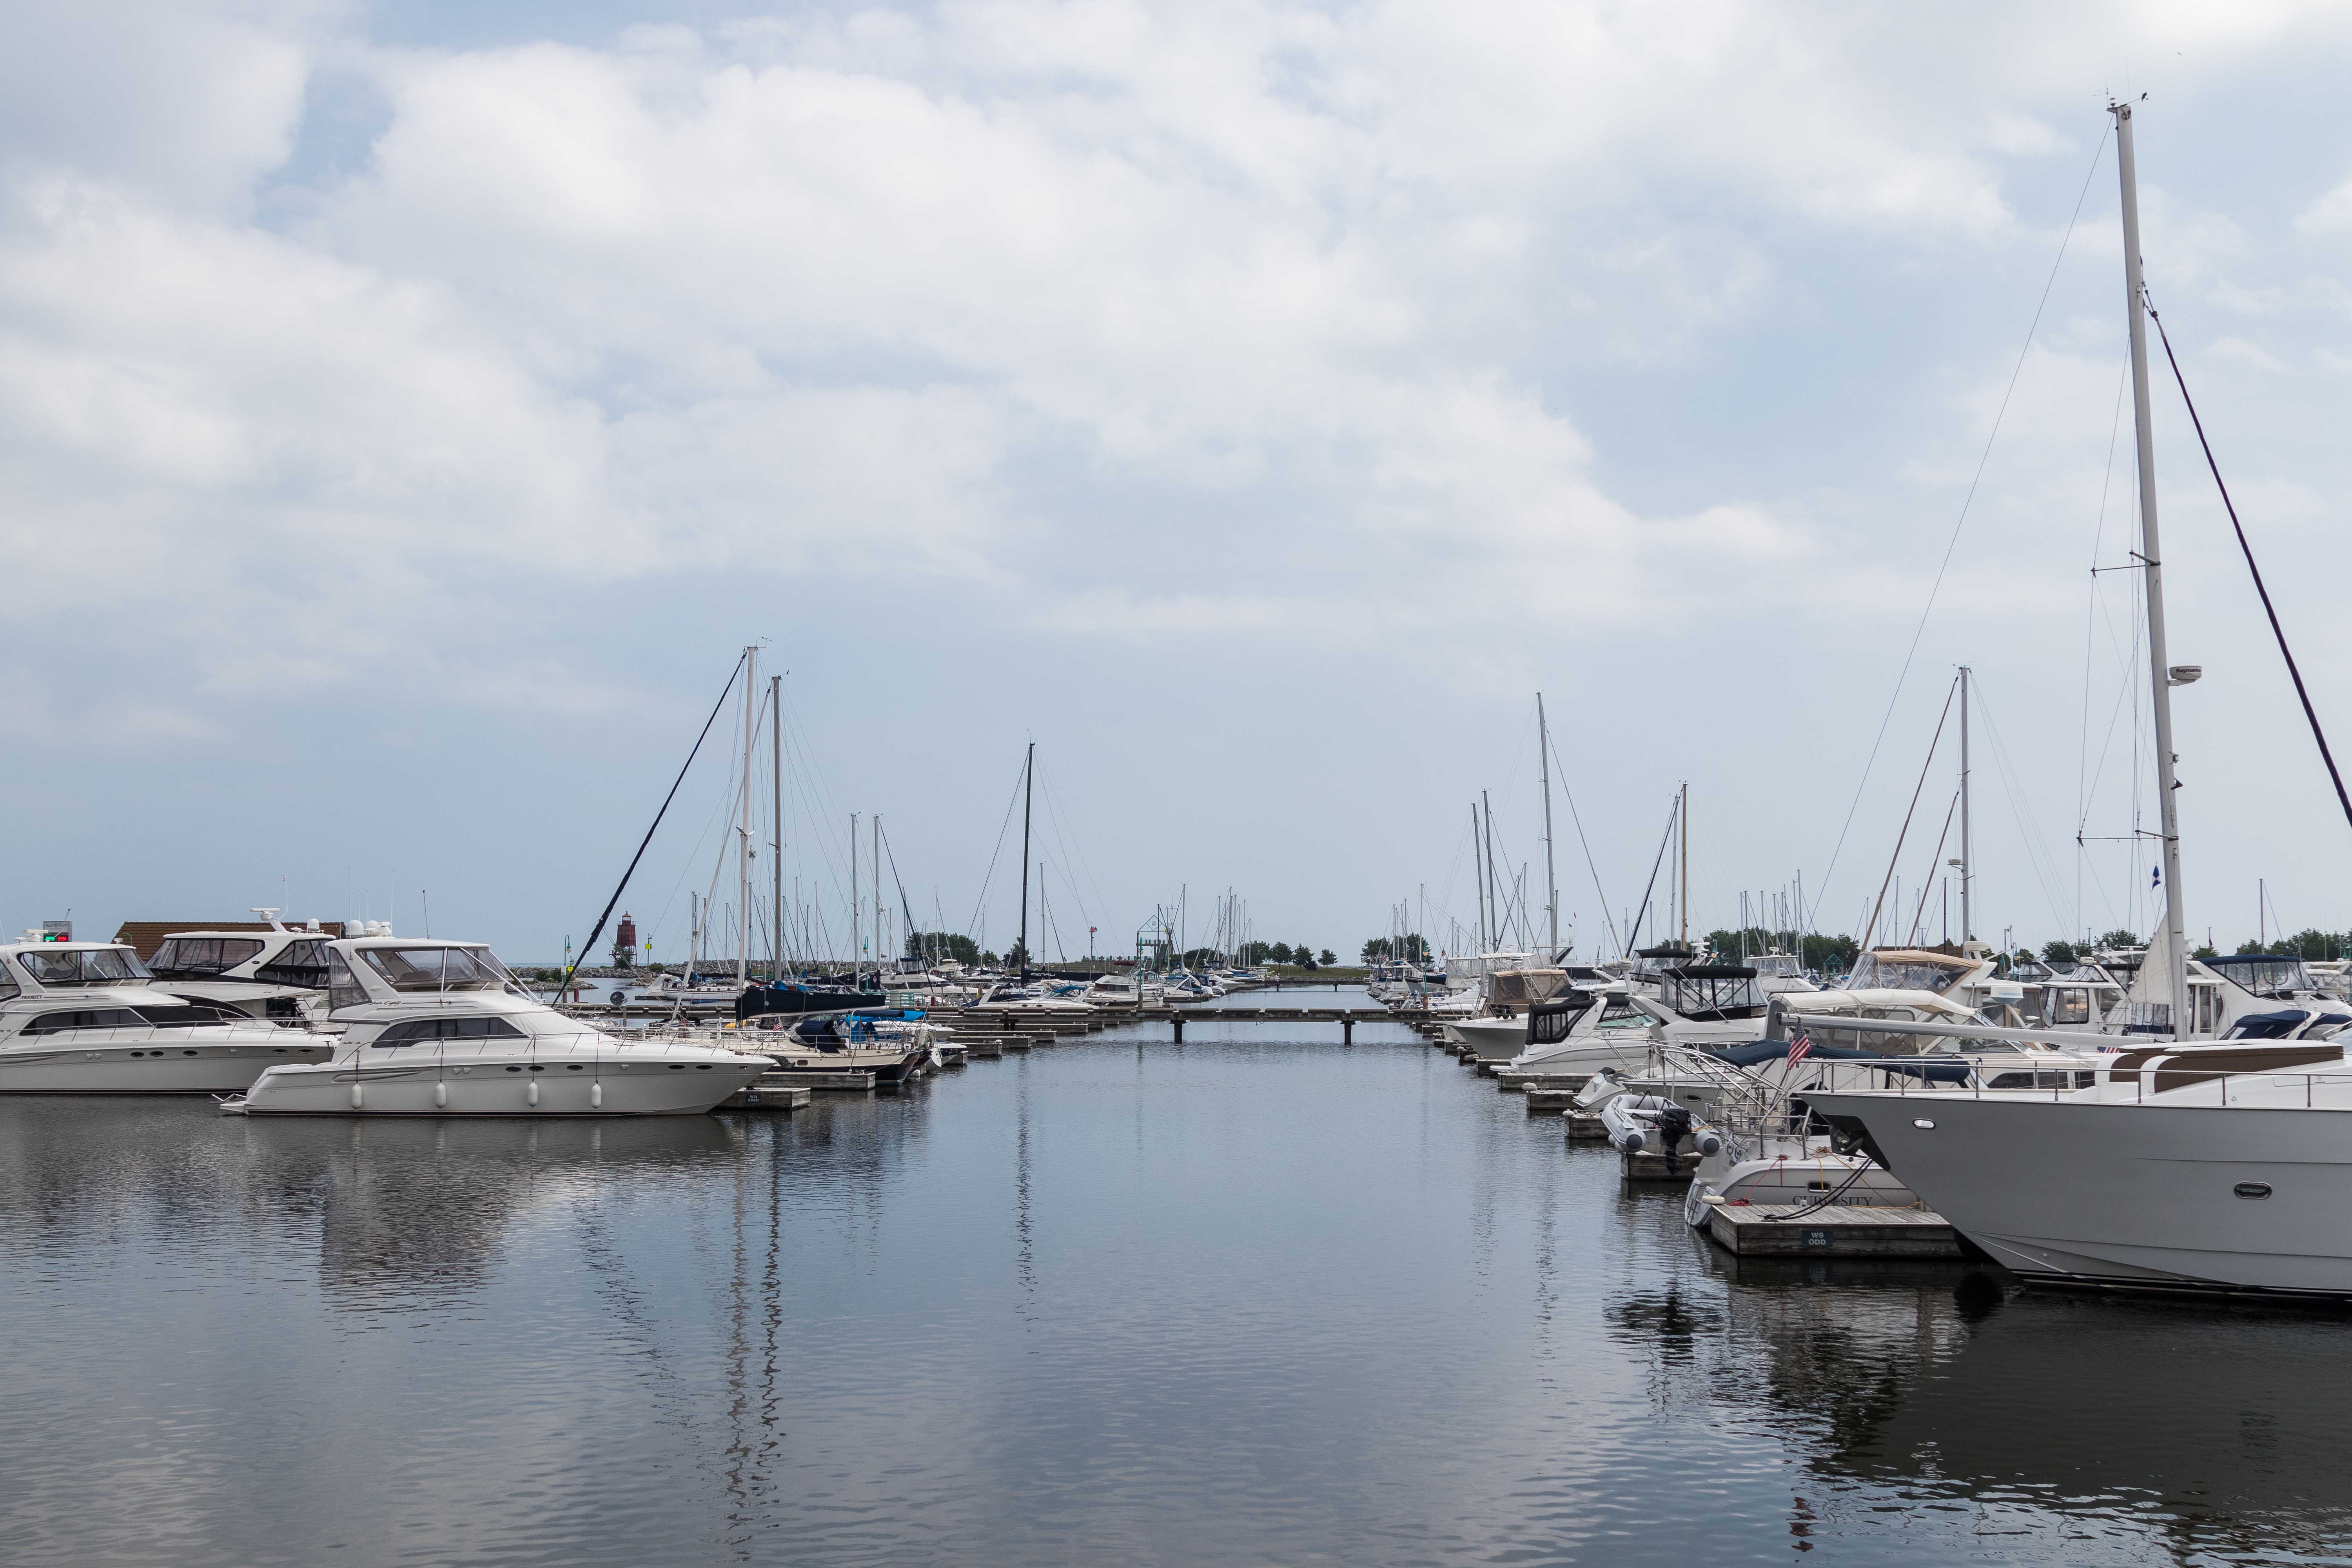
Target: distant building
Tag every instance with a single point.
(624, 943)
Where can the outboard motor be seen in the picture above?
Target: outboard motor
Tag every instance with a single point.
(1674, 1126)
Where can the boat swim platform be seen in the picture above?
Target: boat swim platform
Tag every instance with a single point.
(1838, 1230)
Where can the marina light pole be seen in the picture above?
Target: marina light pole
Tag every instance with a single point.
(2152, 560)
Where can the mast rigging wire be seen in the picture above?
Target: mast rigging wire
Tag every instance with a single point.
(1871, 929)
(2304, 696)
(1961, 521)
(589, 946)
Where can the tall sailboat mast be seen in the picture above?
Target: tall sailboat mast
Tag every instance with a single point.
(1552, 882)
(1681, 900)
(1968, 854)
(1479, 873)
(743, 824)
(1494, 909)
(776, 843)
(1028, 787)
(2175, 950)
(855, 966)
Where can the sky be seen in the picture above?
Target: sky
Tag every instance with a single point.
(408, 413)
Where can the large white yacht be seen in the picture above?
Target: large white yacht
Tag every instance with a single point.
(85, 1017)
(441, 1029)
(2208, 1166)
(279, 973)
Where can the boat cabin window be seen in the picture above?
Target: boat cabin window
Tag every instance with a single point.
(83, 1018)
(9, 986)
(415, 1029)
(2067, 1005)
(301, 963)
(200, 957)
(343, 987)
(1619, 1013)
(85, 966)
(2264, 976)
(437, 968)
(187, 1013)
(1711, 990)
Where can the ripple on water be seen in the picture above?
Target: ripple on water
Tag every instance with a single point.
(1242, 1300)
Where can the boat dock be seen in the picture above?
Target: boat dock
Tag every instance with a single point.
(1837, 1230)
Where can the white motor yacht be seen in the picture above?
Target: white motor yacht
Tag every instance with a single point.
(1113, 991)
(280, 974)
(85, 1017)
(441, 1029)
(1499, 1030)
(1608, 1031)
(2187, 1167)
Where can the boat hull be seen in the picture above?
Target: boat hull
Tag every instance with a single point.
(497, 1089)
(2124, 1196)
(165, 1066)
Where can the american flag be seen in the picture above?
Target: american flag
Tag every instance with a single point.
(1799, 1045)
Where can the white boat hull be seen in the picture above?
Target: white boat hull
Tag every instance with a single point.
(424, 1087)
(2128, 1195)
(174, 1063)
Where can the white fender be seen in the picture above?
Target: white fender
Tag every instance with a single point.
(596, 1097)
(441, 1096)
(358, 1099)
(531, 1095)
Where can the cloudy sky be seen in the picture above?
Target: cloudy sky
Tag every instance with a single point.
(407, 411)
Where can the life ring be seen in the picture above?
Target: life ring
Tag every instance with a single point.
(620, 997)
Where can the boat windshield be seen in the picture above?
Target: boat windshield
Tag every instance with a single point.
(200, 957)
(437, 968)
(85, 966)
(2265, 976)
(1875, 972)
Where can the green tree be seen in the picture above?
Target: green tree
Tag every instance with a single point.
(2058, 952)
(1412, 948)
(2120, 938)
(1828, 954)
(941, 946)
(1328, 958)
(1279, 952)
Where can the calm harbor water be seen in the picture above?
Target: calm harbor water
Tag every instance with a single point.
(1251, 1300)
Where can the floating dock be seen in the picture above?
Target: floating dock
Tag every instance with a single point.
(766, 1095)
(847, 1082)
(1839, 1230)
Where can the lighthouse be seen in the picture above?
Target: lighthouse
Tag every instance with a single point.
(624, 943)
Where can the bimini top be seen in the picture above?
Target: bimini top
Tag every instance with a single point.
(1907, 969)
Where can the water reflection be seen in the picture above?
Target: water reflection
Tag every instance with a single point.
(1248, 1301)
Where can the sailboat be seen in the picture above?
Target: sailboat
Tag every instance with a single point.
(2183, 1167)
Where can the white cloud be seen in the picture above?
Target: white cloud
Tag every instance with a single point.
(1443, 335)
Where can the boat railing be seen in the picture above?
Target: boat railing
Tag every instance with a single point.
(167, 1034)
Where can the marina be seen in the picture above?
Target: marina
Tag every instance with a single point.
(681, 681)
